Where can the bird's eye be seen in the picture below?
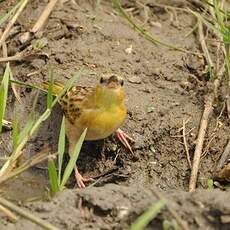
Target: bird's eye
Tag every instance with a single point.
(122, 82)
(101, 80)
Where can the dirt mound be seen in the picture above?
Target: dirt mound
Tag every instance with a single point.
(114, 206)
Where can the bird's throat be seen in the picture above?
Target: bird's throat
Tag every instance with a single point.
(109, 97)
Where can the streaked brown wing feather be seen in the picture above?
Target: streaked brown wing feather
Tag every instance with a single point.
(72, 101)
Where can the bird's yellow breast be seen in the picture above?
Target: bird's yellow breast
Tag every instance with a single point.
(102, 123)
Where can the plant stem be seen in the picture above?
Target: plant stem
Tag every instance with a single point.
(27, 215)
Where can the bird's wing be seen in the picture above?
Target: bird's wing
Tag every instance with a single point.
(74, 101)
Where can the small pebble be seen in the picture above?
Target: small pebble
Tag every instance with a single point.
(24, 37)
(135, 80)
(150, 109)
(155, 24)
(156, 71)
(129, 49)
(225, 219)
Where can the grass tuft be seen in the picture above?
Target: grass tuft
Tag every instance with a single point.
(144, 33)
(50, 90)
(71, 164)
(57, 183)
(10, 13)
(21, 139)
(3, 93)
(148, 215)
(53, 177)
(61, 149)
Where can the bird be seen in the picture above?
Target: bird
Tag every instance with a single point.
(100, 109)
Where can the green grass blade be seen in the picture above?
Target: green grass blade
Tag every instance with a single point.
(30, 122)
(53, 177)
(219, 16)
(98, 4)
(27, 85)
(148, 215)
(4, 93)
(61, 148)
(170, 225)
(15, 130)
(205, 21)
(68, 85)
(193, 29)
(50, 90)
(26, 129)
(143, 32)
(70, 166)
(9, 164)
(11, 12)
(210, 184)
(42, 118)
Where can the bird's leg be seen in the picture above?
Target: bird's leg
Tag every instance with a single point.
(123, 137)
(72, 137)
(80, 179)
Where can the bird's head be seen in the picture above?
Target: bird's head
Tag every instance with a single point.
(110, 89)
(111, 82)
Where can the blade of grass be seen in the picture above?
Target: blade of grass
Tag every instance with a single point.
(61, 149)
(70, 166)
(38, 158)
(144, 33)
(50, 90)
(26, 129)
(9, 164)
(27, 215)
(219, 15)
(11, 12)
(148, 215)
(6, 32)
(98, 4)
(192, 30)
(14, 88)
(4, 93)
(27, 85)
(205, 21)
(9, 214)
(97, 8)
(217, 25)
(67, 86)
(53, 177)
(212, 5)
(170, 225)
(30, 122)
(15, 130)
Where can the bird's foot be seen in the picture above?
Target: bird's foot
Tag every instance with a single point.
(80, 179)
(123, 137)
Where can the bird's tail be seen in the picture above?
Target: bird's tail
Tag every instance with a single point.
(56, 89)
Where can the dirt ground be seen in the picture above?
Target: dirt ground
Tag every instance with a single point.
(163, 87)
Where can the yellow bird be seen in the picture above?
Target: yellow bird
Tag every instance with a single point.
(101, 109)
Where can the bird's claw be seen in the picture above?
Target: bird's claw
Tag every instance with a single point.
(123, 137)
(80, 179)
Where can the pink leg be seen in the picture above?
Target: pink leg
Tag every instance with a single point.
(123, 137)
(80, 179)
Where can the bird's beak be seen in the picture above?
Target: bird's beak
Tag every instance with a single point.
(112, 85)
